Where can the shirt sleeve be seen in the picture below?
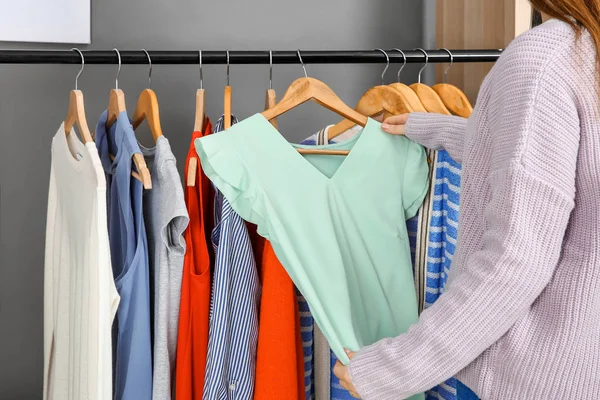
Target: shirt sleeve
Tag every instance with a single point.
(438, 132)
(534, 147)
(225, 161)
(416, 182)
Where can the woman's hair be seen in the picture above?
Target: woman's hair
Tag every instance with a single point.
(579, 14)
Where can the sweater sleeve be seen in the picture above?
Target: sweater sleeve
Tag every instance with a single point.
(438, 132)
(534, 146)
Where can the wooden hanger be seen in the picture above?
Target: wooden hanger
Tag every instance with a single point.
(76, 112)
(76, 115)
(200, 116)
(412, 99)
(305, 89)
(377, 100)
(270, 102)
(452, 97)
(116, 105)
(147, 107)
(192, 168)
(409, 94)
(430, 99)
(227, 100)
(227, 107)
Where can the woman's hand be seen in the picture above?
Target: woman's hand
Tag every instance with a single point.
(395, 125)
(341, 371)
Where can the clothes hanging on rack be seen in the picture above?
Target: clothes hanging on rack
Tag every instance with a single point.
(140, 340)
(129, 253)
(233, 326)
(166, 219)
(80, 298)
(313, 265)
(192, 339)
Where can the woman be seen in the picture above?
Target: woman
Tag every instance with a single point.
(520, 317)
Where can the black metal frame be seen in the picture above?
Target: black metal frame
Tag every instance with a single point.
(242, 57)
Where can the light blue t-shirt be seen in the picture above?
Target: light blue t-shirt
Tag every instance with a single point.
(132, 351)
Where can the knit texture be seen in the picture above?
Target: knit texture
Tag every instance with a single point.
(520, 316)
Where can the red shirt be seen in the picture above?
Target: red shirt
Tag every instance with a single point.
(192, 340)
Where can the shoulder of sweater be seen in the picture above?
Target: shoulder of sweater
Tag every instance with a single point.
(541, 57)
(551, 36)
(544, 49)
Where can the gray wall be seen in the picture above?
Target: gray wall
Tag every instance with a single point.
(34, 98)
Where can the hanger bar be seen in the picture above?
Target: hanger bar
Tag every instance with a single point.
(242, 57)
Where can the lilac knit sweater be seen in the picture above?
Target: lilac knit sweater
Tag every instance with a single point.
(520, 318)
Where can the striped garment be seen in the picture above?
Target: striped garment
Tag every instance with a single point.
(306, 332)
(441, 209)
(233, 325)
(432, 236)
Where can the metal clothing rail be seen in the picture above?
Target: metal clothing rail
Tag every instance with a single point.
(243, 57)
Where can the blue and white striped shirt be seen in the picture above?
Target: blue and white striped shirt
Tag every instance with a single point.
(442, 232)
(233, 324)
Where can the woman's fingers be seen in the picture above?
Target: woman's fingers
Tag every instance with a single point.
(397, 119)
(393, 129)
(395, 125)
(341, 371)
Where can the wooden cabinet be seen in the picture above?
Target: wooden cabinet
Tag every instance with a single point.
(477, 24)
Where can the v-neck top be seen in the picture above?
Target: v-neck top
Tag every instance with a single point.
(357, 277)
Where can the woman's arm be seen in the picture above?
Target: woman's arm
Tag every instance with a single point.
(434, 131)
(534, 138)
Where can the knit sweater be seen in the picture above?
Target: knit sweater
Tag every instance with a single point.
(520, 318)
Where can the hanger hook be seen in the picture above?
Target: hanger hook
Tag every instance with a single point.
(119, 70)
(424, 66)
(150, 70)
(227, 51)
(449, 66)
(270, 69)
(200, 63)
(403, 64)
(82, 66)
(387, 59)
(302, 62)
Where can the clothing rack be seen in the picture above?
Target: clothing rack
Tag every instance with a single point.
(244, 57)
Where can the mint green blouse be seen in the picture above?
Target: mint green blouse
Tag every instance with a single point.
(336, 223)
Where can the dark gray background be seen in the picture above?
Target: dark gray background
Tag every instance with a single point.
(34, 99)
